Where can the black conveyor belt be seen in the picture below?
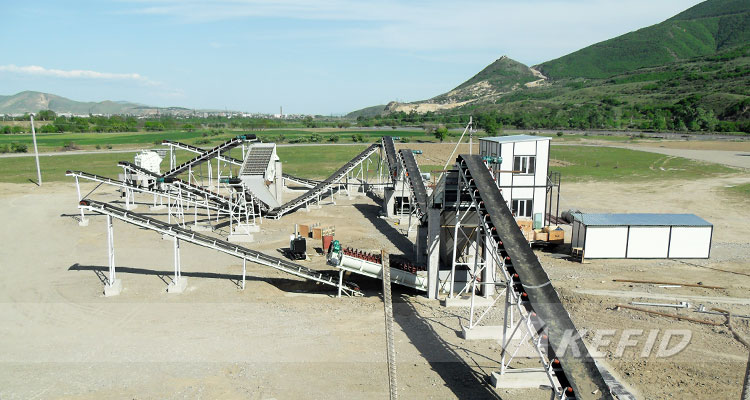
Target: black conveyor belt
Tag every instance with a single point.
(207, 155)
(321, 187)
(390, 153)
(414, 176)
(580, 370)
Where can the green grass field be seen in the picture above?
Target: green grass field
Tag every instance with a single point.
(739, 192)
(134, 140)
(317, 161)
(589, 163)
(586, 163)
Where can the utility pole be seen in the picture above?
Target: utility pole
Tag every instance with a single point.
(36, 153)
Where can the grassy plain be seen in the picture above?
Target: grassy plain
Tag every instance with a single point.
(136, 140)
(590, 163)
(740, 192)
(580, 163)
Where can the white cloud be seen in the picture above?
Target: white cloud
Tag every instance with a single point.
(527, 30)
(75, 73)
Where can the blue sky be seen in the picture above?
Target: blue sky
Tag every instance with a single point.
(318, 57)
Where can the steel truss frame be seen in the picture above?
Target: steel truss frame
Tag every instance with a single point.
(206, 241)
(513, 299)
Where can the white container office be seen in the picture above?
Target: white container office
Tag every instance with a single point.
(642, 235)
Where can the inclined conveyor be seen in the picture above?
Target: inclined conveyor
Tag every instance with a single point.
(414, 179)
(391, 158)
(578, 369)
(206, 155)
(323, 277)
(220, 200)
(323, 186)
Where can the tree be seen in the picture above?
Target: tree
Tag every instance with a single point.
(441, 132)
(46, 115)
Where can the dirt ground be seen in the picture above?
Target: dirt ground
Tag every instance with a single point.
(284, 338)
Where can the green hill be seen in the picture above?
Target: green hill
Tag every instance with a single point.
(502, 75)
(30, 102)
(705, 29)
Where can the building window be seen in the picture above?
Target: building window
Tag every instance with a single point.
(524, 164)
(523, 208)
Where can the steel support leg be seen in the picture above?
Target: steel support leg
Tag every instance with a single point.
(177, 266)
(111, 251)
(341, 281)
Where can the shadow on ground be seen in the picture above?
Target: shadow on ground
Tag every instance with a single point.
(287, 285)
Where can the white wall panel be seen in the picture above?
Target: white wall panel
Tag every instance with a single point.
(605, 242)
(523, 193)
(648, 242)
(525, 148)
(574, 236)
(506, 151)
(523, 180)
(690, 242)
(542, 158)
(539, 200)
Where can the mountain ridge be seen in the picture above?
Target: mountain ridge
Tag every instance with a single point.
(30, 101)
(703, 50)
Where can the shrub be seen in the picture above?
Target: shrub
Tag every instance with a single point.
(70, 146)
(18, 148)
(98, 147)
(333, 138)
(559, 134)
(4, 148)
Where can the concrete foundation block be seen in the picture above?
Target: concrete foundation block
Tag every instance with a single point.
(520, 379)
(201, 228)
(131, 206)
(246, 228)
(157, 207)
(240, 238)
(114, 289)
(493, 332)
(83, 222)
(177, 286)
(465, 301)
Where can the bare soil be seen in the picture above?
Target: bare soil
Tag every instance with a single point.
(285, 338)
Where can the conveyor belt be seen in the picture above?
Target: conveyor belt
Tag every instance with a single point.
(207, 155)
(326, 278)
(310, 183)
(580, 371)
(198, 150)
(390, 153)
(414, 178)
(135, 187)
(220, 200)
(322, 187)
